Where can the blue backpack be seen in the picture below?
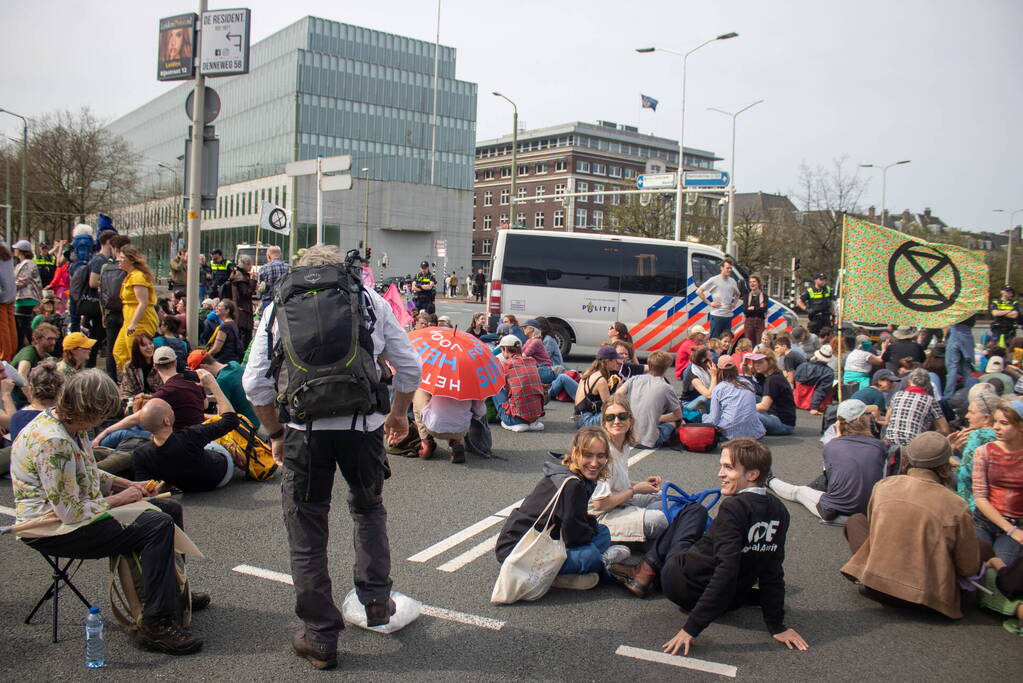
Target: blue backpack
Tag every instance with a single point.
(672, 503)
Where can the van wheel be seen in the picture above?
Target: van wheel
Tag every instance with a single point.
(563, 337)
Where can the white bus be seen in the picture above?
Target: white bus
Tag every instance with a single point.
(581, 282)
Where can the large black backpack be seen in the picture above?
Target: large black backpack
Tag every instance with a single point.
(322, 358)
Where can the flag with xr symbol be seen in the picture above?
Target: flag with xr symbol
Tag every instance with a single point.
(895, 278)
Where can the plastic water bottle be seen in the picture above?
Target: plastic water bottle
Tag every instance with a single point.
(95, 648)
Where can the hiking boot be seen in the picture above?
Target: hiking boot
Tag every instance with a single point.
(616, 554)
(576, 582)
(318, 657)
(200, 601)
(379, 613)
(638, 579)
(426, 448)
(457, 451)
(166, 636)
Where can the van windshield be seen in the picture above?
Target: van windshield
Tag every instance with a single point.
(251, 253)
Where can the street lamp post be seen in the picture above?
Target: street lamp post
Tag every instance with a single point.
(365, 215)
(682, 123)
(515, 154)
(1008, 251)
(884, 185)
(730, 241)
(24, 169)
(177, 207)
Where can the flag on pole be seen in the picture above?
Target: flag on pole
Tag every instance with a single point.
(648, 102)
(895, 278)
(393, 297)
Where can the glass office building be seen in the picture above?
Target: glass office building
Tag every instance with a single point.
(323, 87)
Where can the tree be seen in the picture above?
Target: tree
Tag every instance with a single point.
(825, 195)
(656, 218)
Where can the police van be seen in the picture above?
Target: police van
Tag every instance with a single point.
(582, 282)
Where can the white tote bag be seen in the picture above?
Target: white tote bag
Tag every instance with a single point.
(530, 568)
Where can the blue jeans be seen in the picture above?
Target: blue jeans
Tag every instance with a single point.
(1006, 548)
(774, 425)
(664, 432)
(585, 559)
(546, 373)
(719, 324)
(958, 359)
(587, 420)
(113, 439)
(697, 403)
(499, 400)
(562, 383)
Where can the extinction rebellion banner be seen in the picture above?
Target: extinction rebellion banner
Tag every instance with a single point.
(894, 278)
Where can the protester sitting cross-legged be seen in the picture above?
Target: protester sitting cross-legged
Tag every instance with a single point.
(874, 396)
(789, 357)
(913, 411)
(631, 510)
(697, 337)
(738, 561)
(917, 536)
(998, 484)
(816, 377)
(733, 403)
(594, 387)
(776, 409)
(139, 373)
(534, 348)
(229, 378)
(980, 419)
(656, 409)
(853, 462)
(586, 541)
(186, 459)
(860, 363)
(53, 471)
(520, 403)
(698, 380)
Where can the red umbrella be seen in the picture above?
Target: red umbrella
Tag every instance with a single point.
(456, 364)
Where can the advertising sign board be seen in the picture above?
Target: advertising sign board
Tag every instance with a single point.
(176, 55)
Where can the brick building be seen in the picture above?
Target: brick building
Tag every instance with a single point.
(579, 157)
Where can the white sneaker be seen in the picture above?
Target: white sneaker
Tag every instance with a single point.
(616, 554)
(515, 428)
(535, 426)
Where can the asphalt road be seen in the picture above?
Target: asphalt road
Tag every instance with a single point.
(564, 636)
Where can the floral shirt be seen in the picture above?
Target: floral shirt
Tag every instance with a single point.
(50, 470)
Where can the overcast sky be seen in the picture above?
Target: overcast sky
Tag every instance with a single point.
(934, 81)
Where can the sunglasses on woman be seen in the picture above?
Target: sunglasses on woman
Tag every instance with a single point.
(620, 417)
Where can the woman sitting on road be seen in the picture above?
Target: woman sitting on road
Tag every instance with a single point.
(77, 348)
(777, 407)
(140, 375)
(631, 510)
(698, 380)
(860, 363)
(733, 403)
(478, 326)
(534, 348)
(549, 342)
(979, 418)
(588, 543)
(227, 343)
(743, 348)
(998, 484)
(594, 388)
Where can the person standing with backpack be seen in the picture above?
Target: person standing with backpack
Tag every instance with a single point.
(336, 415)
(111, 277)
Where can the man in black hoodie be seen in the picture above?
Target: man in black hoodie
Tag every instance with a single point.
(708, 574)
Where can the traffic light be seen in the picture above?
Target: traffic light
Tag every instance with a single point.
(369, 253)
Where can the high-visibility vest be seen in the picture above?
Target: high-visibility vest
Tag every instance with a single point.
(820, 299)
(1003, 323)
(220, 269)
(40, 261)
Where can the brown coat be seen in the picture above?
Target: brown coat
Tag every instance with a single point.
(921, 539)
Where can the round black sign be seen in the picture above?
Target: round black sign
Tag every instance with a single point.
(278, 219)
(933, 282)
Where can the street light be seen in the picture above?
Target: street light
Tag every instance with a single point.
(1008, 251)
(884, 184)
(730, 241)
(174, 247)
(515, 152)
(24, 169)
(365, 217)
(682, 124)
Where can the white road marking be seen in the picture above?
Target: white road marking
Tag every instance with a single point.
(428, 610)
(639, 456)
(4, 510)
(455, 539)
(474, 553)
(677, 660)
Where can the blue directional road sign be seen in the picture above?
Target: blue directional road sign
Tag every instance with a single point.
(705, 179)
(655, 181)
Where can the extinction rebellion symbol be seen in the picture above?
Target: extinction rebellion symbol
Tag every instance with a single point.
(278, 219)
(930, 281)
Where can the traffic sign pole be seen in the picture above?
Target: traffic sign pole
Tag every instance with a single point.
(195, 197)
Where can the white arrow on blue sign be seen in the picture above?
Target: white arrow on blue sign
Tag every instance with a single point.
(705, 179)
(655, 181)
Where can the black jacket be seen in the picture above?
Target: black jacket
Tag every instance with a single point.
(818, 375)
(744, 546)
(572, 522)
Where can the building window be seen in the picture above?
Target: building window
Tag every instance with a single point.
(521, 193)
(474, 223)
(580, 186)
(598, 219)
(580, 218)
(559, 218)
(538, 219)
(582, 167)
(560, 166)
(523, 170)
(599, 169)
(520, 219)
(486, 247)
(616, 199)
(541, 168)
(630, 173)
(504, 197)
(488, 198)
(487, 222)
(598, 198)
(614, 171)
(541, 191)
(474, 248)
(474, 199)
(503, 221)
(488, 175)
(506, 172)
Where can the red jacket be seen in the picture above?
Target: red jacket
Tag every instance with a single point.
(682, 356)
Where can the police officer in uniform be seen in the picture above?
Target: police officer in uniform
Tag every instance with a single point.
(221, 269)
(817, 301)
(46, 264)
(424, 289)
(1005, 316)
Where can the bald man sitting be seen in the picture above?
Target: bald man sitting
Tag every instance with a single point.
(186, 458)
